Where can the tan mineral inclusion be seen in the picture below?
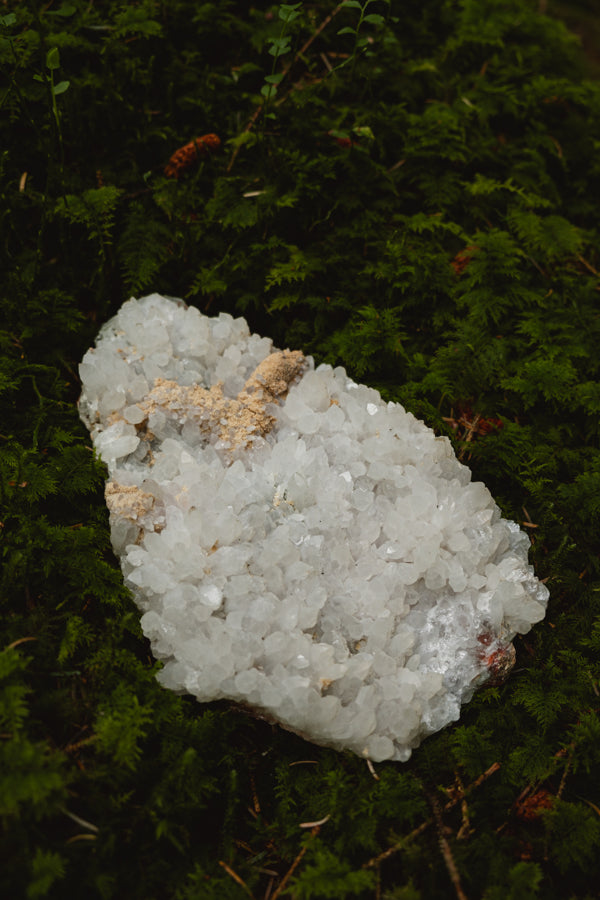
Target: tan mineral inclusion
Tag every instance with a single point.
(236, 421)
(296, 545)
(127, 501)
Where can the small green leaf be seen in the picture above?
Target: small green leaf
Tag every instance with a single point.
(279, 46)
(422, 66)
(288, 13)
(353, 4)
(347, 30)
(363, 131)
(64, 12)
(374, 19)
(279, 50)
(8, 20)
(53, 58)
(274, 79)
(60, 88)
(268, 91)
(245, 137)
(286, 8)
(41, 78)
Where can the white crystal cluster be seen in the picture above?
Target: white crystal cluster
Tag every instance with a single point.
(329, 563)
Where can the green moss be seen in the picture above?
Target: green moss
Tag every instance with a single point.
(417, 201)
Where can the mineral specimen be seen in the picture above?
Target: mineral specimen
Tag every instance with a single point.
(295, 544)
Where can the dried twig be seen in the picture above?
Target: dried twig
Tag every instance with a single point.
(236, 878)
(588, 266)
(446, 849)
(371, 769)
(377, 860)
(537, 266)
(244, 846)
(465, 829)
(326, 62)
(20, 641)
(566, 770)
(255, 800)
(468, 436)
(396, 166)
(315, 35)
(293, 866)
(593, 805)
(559, 149)
(71, 748)
(83, 822)
(527, 523)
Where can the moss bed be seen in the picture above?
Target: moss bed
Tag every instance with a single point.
(411, 191)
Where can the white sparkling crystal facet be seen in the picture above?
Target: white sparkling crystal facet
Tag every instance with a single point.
(295, 544)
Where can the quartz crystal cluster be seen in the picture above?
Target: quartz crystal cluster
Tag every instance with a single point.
(295, 544)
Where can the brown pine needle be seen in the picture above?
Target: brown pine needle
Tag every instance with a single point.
(326, 62)
(20, 641)
(255, 800)
(293, 866)
(588, 266)
(527, 523)
(236, 878)
(593, 805)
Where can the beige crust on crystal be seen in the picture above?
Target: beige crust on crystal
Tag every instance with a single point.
(275, 374)
(127, 501)
(235, 421)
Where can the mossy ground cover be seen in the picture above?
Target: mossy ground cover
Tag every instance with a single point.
(409, 190)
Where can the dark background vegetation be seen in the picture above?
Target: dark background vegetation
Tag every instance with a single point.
(415, 199)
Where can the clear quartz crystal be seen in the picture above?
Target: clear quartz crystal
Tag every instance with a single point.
(295, 544)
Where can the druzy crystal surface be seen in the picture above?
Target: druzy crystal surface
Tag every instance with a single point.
(295, 544)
